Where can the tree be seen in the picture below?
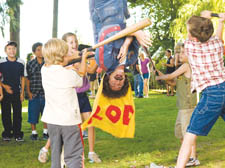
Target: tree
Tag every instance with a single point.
(55, 19)
(14, 10)
(162, 14)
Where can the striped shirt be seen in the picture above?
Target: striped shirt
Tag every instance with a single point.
(34, 76)
(206, 61)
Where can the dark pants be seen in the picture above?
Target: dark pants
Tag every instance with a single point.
(12, 128)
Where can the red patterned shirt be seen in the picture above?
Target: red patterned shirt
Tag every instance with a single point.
(206, 61)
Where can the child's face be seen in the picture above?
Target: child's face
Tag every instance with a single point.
(11, 51)
(73, 45)
(117, 78)
(182, 56)
(38, 52)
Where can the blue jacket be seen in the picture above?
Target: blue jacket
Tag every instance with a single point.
(108, 18)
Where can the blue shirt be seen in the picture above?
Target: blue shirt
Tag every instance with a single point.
(12, 71)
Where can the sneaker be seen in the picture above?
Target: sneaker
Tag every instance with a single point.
(6, 139)
(45, 136)
(93, 158)
(193, 162)
(34, 137)
(43, 156)
(19, 139)
(153, 165)
(85, 135)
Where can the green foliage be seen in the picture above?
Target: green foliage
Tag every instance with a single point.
(8, 9)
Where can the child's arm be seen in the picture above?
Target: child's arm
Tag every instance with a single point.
(124, 49)
(22, 88)
(1, 93)
(219, 32)
(28, 89)
(7, 88)
(170, 82)
(182, 69)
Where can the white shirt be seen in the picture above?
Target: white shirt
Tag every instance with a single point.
(61, 103)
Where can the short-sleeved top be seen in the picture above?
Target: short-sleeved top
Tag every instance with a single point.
(206, 61)
(144, 66)
(169, 69)
(34, 76)
(61, 103)
(12, 71)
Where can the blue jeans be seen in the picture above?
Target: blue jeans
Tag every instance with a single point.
(210, 107)
(35, 107)
(138, 81)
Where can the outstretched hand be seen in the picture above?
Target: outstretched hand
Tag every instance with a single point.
(143, 38)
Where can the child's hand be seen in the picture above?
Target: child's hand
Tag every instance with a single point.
(30, 96)
(143, 38)
(221, 17)
(86, 53)
(8, 89)
(206, 14)
(123, 53)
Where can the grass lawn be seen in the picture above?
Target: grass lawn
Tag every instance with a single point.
(154, 141)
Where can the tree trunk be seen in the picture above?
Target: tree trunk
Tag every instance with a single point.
(55, 19)
(15, 28)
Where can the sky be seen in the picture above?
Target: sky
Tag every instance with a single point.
(36, 23)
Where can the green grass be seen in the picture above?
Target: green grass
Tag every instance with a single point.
(154, 141)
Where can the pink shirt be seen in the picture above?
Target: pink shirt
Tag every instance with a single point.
(144, 66)
(206, 61)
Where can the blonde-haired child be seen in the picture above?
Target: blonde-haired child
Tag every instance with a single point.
(61, 112)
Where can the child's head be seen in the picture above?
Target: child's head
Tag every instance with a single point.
(115, 84)
(71, 40)
(37, 49)
(177, 50)
(10, 49)
(182, 56)
(168, 53)
(200, 28)
(142, 55)
(54, 51)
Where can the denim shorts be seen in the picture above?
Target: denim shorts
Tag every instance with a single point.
(35, 108)
(145, 75)
(210, 107)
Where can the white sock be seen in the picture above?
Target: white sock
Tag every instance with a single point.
(44, 149)
(91, 153)
(34, 132)
(45, 131)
